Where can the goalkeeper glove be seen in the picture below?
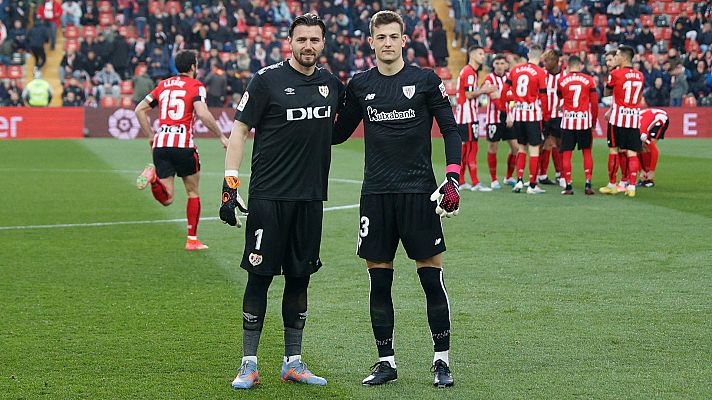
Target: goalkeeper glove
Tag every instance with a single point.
(447, 196)
(232, 203)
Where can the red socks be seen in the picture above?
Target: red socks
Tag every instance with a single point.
(192, 210)
(623, 157)
(566, 158)
(653, 156)
(160, 192)
(492, 164)
(533, 169)
(587, 164)
(633, 167)
(511, 164)
(472, 162)
(612, 167)
(521, 162)
(558, 158)
(544, 162)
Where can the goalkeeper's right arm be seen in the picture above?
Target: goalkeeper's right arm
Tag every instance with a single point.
(232, 203)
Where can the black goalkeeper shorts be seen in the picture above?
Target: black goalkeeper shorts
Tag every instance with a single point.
(283, 237)
(406, 217)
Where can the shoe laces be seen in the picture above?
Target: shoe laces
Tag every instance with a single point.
(377, 366)
(245, 368)
(300, 367)
(440, 367)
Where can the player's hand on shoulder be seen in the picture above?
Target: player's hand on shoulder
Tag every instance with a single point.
(447, 196)
(232, 204)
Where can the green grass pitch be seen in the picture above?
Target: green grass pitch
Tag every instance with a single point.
(552, 296)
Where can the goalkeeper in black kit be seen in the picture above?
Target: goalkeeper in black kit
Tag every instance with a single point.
(397, 104)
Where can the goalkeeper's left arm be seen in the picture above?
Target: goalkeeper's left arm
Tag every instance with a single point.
(232, 203)
(447, 195)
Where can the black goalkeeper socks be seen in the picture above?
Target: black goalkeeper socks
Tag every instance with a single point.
(438, 306)
(381, 308)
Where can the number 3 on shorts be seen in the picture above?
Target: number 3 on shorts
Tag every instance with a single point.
(363, 232)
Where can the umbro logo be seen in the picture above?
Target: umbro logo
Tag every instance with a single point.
(370, 96)
(289, 91)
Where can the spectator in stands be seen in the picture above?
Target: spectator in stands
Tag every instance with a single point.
(410, 20)
(344, 24)
(107, 82)
(679, 86)
(15, 100)
(91, 64)
(698, 80)
(646, 41)
(6, 50)
(213, 58)
(87, 44)
(631, 12)
(258, 43)
(519, 26)
(37, 36)
(216, 85)
(158, 62)
(120, 56)
(657, 95)
(137, 55)
(259, 60)
(18, 34)
(218, 35)
(71, 100)
(71, 13)
(142, 85)
(629, 37)
(340, 66)
(234, 83)
(677, 41)
(615, 11)
(74, 87)
(126, 9)
(558, 19)
(243, 60)
(38, 92)
(102, 47)
(410, 58)
(705, 36)
(650, 73)
(693, 25)
(614, 37)
(70, 63)
(597, 41)
(555, 37)
(50, 12)
(91, 102)
(438, 44)
(89, 14)
(275, 56)
(537, 35)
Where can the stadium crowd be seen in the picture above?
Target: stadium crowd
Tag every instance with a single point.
(116, 50)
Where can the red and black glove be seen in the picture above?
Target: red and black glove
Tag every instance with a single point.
(447, 195)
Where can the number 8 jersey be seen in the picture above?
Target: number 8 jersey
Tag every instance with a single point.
(627, 86)
(174, 98)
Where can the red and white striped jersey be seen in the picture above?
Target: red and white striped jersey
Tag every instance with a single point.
(492, 111)
(552, 97)
(527, 83)
(579, 101)
(650, 118)
(627, 84)
(466, 109)
(174, 98)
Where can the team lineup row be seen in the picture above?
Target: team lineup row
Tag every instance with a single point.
(549, 111)
(298, 110)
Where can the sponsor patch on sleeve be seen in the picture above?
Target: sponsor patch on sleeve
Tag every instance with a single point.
(243, 101)
(442, 89)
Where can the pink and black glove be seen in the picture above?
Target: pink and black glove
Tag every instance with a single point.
(447, 196)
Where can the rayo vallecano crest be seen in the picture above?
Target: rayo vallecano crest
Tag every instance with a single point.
(324, 90)
(409, 91)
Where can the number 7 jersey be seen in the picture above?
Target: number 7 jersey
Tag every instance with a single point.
(174, 98)
(627, 85)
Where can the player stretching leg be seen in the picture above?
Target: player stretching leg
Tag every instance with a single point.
(466, 113)
(580, 108)
(292, 106)
(653, 126)
(174, 151)
(397, 103)
(496, 126)
(526, 86)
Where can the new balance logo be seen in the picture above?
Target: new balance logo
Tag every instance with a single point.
(370, 96)
(438, 241)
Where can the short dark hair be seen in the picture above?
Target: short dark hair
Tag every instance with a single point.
(308, 19)
(186, 59)
(385, 17)
(535, 47)
(575, 60)
(627, 51)
(611, 53)
(474, 48)
(499, 57)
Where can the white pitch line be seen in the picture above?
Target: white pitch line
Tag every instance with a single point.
(158, 221)
(131, 171)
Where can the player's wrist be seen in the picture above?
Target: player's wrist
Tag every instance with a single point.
(231, 172)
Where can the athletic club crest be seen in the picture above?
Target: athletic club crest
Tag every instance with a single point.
(409, 91)
(324, 91)
(255, 259)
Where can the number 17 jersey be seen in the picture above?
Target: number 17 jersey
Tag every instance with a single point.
(627, 85)
(174, 98)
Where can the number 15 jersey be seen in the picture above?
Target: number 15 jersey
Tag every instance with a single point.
(175, 97)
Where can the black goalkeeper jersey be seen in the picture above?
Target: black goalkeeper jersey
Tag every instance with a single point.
(293, 116)
(398, 113)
